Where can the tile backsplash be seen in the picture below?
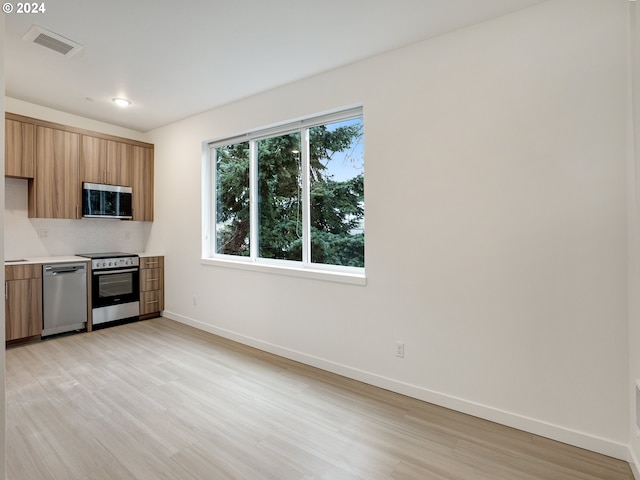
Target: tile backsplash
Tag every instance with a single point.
(37, 237)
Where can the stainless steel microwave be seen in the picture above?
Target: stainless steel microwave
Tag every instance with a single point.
(106, 201)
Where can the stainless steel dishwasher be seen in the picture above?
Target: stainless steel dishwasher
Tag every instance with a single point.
(64, 297)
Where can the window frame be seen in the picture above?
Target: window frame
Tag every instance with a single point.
(304, 268)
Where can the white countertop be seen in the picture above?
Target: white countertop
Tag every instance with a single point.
(62, 259)
(38, 260)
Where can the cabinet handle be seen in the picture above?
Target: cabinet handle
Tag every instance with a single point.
(152, 263)
(6, 291)
(151, 279)
(152, 301)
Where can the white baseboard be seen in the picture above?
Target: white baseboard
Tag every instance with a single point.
(633, 463)
(537, 427)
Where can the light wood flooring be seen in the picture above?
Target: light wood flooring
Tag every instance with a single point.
(159, 400)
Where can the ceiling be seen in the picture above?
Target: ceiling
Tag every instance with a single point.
(175, 59)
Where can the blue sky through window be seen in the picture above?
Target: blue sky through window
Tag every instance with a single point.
(349, 163)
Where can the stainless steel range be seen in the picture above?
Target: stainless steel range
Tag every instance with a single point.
(115, 287)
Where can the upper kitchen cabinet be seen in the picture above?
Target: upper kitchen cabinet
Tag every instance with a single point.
(19, 149)
(55, 190)
(106, 161)
(142, 176)
(57, 158)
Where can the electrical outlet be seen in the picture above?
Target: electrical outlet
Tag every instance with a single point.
(399, 349)
(43, 232)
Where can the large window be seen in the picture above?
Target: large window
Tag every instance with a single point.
(291, 195)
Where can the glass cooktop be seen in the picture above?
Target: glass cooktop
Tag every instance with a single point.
(107, 255)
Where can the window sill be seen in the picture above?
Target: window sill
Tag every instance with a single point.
(292, 271)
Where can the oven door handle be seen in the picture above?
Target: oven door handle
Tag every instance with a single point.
(111, 272)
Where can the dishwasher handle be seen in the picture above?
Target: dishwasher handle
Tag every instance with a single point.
(64, 269)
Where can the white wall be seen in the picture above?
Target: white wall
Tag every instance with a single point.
(496, 225)
(633, 180)
(33, 110)
(35, 237)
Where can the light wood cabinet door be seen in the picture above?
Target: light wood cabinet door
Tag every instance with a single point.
(142, 179)
(94, 159)
(23, 301)
(151, 262)
(55, 190)
(19, 149)
(118, 163)
(151, 279)
(151, 302)
(106, 161)
(151, 286)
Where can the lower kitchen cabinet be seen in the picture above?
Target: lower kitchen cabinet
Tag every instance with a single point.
(23, 303)
(151, 286)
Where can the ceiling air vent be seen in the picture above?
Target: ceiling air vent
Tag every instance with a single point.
(53, 41)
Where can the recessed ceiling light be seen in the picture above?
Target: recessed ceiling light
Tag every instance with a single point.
(121, 102)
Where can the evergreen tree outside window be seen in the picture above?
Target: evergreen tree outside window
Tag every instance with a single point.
(337, 193)
(280, 197)
(232, 199)
(292, 194)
